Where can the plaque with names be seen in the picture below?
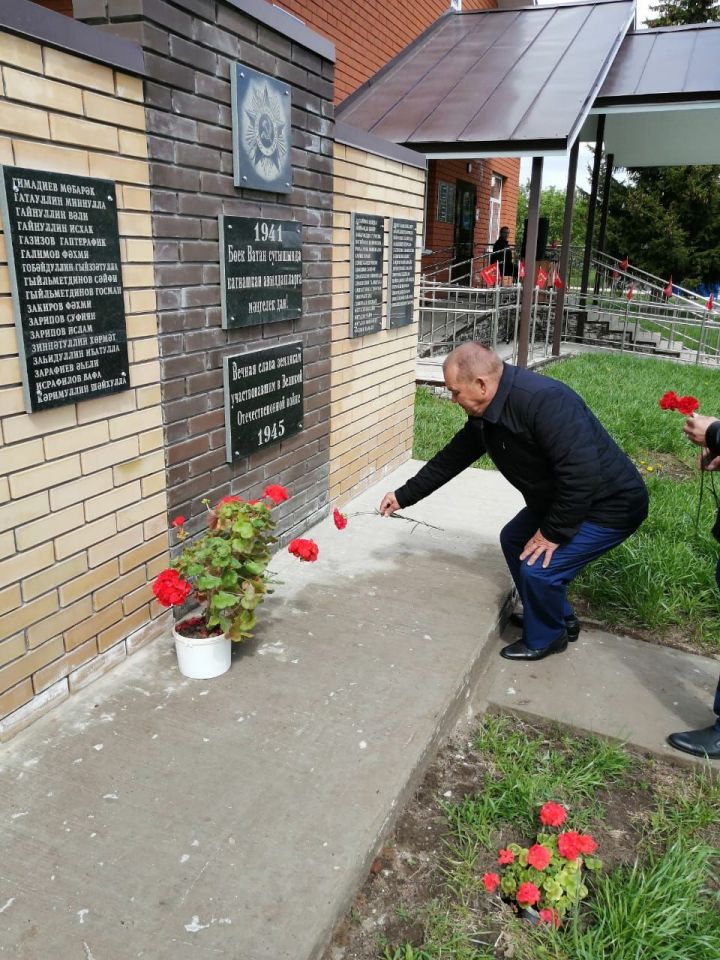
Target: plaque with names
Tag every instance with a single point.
(262, 132)
(63, 252)
(446, 202)
(263, 398)
(260, 270)
(367, 243)
(401, 278)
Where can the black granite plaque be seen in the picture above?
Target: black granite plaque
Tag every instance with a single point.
(446, 202)
(262, 134)
(367, 240)
(64, 259)
(401, 278)
(260, 270)
(263, 398)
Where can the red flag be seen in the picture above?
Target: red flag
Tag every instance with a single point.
(630, 292)
(710, 301)
(521, 270)
(668, 289)
(624, 264)
(541, 278)
(489, 275)
(557, 282)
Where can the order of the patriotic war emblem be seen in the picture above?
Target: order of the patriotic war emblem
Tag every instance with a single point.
(261, 131)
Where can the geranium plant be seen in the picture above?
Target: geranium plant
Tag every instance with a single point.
(546, 876)
(226, 567)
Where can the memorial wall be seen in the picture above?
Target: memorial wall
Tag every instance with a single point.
(378, 223)
(83, 508)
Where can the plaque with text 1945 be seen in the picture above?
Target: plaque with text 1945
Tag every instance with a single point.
(367, 242)
(263, 398)
(66, 279)
(401, 278)
(262, 132)
(260, 270)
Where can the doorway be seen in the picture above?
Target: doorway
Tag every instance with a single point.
(465, 201)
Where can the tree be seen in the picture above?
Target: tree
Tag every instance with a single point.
(667, 219)
(673, 13)
(552, 206)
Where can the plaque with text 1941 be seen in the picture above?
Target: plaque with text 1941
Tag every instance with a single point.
(263, 398)
(367, 241)
(262, 132)
(260, 270)
(65, 272)
(401, 278)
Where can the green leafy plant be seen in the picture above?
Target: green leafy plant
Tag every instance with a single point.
(546, 876)
(225, 568)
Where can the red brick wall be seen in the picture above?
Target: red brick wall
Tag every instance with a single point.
(440, 236)
(368, 33)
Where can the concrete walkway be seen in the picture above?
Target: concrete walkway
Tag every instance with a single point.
(156, 817)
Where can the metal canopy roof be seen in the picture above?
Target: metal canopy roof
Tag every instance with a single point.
(495, 82)
(662, 98)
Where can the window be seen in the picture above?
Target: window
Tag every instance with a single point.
(496, 183)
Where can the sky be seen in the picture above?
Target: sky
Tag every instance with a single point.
(555, 168)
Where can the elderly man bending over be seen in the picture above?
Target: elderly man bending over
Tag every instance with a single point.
(583, 495)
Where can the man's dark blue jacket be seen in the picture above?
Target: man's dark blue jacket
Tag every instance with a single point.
(543, 439)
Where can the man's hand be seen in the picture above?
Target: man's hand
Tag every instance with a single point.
(707, 462)
(696, 427)
(389, 505)
(537, 546)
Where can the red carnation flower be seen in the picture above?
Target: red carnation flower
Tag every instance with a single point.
(569, 845)
(340, 519)
(669, 401)
(586, 844)
(276, 493)
(304, 550)
(178, 521)
(550, 916)
(687, 405)
(170, 588)
(505, 856)
(491, 881)
(553, 814)
(527, 894)
(538, 856)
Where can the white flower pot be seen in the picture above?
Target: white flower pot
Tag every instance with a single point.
(202, 658)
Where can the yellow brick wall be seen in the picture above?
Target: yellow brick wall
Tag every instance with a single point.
(82, 487)
(372, 377)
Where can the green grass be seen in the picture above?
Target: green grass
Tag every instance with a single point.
(662, 579)
(661, 903)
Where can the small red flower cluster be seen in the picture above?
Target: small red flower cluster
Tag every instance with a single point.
(685, 405)
(505, 857)
(571, 844)
(178, 521)
(276, 493)
(304, 550)
(170, 588)
(552, 814)
(527, 894)
(339, 519)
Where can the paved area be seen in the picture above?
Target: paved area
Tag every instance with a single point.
(156, 817)
(614, 686)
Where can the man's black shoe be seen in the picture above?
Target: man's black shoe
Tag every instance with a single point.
(700, 743)
(518, 650)
(572, 625)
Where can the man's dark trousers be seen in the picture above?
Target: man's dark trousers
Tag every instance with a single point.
(544, 591)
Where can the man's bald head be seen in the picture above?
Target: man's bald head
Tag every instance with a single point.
(472, 375)
(472, 360)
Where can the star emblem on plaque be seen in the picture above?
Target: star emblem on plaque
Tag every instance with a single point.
(261, 131)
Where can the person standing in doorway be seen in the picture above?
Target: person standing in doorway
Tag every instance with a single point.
(583, 495)
(502, 255)
(705, 432)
